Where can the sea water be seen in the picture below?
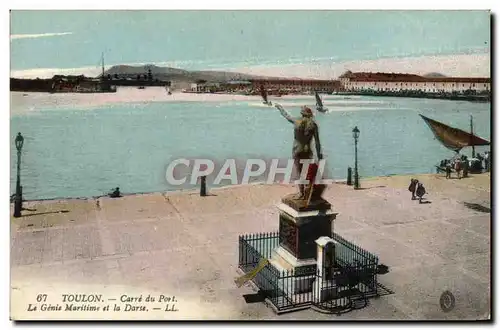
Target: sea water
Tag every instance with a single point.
(72, 152)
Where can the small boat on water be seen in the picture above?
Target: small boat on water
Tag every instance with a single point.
(319, 104)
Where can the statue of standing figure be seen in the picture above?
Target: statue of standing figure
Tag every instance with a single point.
(305, 131)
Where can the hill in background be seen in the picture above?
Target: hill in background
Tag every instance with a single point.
(434, 75)
(177, 75)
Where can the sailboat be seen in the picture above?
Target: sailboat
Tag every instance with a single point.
(263, 93)
(319, 104)
(454, 138)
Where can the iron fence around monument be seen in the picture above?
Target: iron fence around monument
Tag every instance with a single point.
(352, 278)
(360, 263)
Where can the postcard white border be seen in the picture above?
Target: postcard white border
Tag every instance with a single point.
(185, 4)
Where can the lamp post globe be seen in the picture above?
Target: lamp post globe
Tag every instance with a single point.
(355, 134)
(18, 201)
(19, 142)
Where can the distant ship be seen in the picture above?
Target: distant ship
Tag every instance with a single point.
(105, 86)
(81, 84)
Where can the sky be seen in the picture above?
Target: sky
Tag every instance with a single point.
(42, 40)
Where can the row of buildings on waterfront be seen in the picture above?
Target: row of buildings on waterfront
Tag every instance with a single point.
(352, 82)
(395, 82)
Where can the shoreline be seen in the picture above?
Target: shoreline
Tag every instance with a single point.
(195, 191)
(32, 103)
(28, 102)
(25, 103)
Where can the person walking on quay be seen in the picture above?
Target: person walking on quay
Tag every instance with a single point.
(458, 167)
(448, 170)
(481, 158)
(412, 188)
(487, 158)
(465, 166)
(420, 192)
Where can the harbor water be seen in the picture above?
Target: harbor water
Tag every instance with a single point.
(83, 152)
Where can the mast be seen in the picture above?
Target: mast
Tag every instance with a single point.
(472, 134)
(102, 61)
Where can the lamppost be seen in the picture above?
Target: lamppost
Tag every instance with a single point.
(355, 134)
(18, 202)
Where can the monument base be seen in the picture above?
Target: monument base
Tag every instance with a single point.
(302, 273)
(300, 226)
(301, 205)
(324, 290)
(298, 230)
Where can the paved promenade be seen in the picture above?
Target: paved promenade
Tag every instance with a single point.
(184, 245)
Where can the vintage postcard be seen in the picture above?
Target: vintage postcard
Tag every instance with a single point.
(250, 165)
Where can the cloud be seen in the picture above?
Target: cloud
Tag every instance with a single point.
(50, 72)
(461, 65)
(40, 35)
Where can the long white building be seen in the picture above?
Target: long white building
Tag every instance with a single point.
(355, 81)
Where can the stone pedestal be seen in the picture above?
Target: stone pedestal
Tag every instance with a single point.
(325, 287)
(298, 230)
(297, 251)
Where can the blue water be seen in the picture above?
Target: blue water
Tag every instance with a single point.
(86, 152)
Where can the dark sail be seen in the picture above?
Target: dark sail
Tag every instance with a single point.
(263, 93)
(319, 103)
(453, 138)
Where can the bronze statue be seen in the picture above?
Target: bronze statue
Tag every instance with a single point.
(305, 130)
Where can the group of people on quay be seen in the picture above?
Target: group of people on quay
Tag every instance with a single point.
(462, 165)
